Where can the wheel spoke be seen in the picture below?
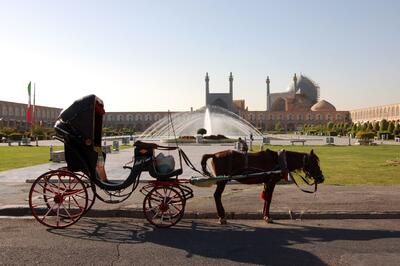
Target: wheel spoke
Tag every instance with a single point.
(70, 216)
(54, 186)
(51, 196)
(77, 204)
(155, 199)
(158, 193)
(155, 215)
(175, 207)
(47, 213)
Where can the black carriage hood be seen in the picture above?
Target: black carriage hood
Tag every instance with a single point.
(85, 116)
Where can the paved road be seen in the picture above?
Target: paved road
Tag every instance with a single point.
(119, 241)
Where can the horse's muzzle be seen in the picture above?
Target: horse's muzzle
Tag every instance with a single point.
(320, 179)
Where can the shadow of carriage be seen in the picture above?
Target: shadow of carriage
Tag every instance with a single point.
(235, 242)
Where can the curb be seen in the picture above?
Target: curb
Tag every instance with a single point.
(138, 213)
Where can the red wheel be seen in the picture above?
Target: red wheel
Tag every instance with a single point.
(58, 199)
(164, 206)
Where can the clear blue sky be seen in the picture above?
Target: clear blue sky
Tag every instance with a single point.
(153, 55)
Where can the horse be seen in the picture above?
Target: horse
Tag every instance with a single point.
(232, 162)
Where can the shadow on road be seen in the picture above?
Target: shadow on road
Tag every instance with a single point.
(234, 242)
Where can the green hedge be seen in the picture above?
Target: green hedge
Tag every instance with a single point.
(365, 135)
(15, 136)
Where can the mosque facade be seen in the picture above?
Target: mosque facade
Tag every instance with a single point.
(300, 104)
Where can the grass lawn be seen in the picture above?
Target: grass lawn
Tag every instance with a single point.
(355, 165)
(22, 156)
(341, 165)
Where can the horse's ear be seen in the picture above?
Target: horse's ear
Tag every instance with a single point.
(312, 152)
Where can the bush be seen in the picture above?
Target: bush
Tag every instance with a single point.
(365, 135)
(41, 137)
(331, 133)
(389, 136)
(15, 136)
(215, 137)
(187, 137)
(202, 131)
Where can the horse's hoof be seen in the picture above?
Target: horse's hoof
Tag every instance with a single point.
(268, 220)
(222, 221)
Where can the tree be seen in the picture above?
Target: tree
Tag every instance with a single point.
(202, 131)
(396, 130)
(384, 124)
(364, 126)
(330, 125)
(391, 127)
(354, 128)
(278, 127)
(359, 127)
(370, 127)
(376, 126)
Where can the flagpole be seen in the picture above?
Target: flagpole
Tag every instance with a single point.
(34, 104)
(28, 111)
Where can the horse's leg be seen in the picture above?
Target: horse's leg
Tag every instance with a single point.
(268, 191)
(218, 202)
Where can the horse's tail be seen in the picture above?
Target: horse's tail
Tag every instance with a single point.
(204, 163)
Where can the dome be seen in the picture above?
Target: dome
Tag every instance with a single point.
(323, 106)
(306, 87)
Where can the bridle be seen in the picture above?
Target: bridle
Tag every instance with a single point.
(282, 161)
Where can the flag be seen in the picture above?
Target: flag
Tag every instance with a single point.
(29, 109)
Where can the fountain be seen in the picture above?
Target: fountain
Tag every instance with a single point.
(207, 121)
(214, 119)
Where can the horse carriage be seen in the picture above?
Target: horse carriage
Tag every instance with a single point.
(59, 198)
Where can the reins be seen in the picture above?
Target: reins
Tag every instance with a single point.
(190, 164)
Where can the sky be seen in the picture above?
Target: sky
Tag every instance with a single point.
(153, 55)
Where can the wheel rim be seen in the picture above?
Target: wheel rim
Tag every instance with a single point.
(58, 199)
(164, 206)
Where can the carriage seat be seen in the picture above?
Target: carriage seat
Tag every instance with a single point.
(164, 167)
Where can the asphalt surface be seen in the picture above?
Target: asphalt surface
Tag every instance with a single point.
(244, 202)
(118, 241)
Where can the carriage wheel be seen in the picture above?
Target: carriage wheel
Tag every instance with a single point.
(91, 190)
(164, 206)
(58, 199)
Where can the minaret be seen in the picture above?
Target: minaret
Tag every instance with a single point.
(268, 95)
(231, 84)
(295, 82)
(207, 79)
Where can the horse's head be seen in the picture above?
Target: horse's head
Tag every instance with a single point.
(311, 167)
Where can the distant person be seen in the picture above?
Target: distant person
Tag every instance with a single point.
(242, 145)
(251, 141)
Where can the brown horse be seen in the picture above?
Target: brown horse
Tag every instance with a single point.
(231, 162)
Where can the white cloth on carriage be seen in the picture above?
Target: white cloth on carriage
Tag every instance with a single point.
(165, 164)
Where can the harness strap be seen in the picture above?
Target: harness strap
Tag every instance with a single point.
(306, 191)
(282, 164)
